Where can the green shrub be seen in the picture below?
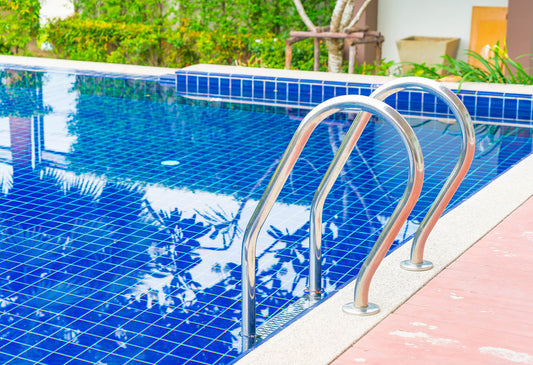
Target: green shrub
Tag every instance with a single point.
(497, 68)
(19, 25)
(100, 41)
(150, 12)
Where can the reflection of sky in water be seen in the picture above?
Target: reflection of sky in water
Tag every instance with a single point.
(105, 248)
(58, 94)
(4, 133)
(166, 200)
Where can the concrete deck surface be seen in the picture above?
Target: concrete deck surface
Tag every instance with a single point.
(478, 310)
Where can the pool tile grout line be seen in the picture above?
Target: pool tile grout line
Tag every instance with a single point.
(516, 107)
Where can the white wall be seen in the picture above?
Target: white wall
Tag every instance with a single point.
(55, 9)
(398, 19)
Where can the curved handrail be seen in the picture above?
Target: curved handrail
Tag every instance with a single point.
(416, 261)
(289, 158)
(468, 144)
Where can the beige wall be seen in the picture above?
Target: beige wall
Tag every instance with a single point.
(398, 19)
(520, 32)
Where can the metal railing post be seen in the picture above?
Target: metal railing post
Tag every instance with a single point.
(468, 144)
(360, 304)
(296, 145)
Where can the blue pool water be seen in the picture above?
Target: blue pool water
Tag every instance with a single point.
(123, 205)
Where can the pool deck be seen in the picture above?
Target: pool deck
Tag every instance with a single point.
(478, 310)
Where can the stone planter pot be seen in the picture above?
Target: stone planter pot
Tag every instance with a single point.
(428, 50)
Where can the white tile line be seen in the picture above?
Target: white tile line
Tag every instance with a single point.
(86, 66)
(325, 332)
(308, 75)
(340, 77)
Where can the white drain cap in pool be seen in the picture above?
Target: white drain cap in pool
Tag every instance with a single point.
(170, 163)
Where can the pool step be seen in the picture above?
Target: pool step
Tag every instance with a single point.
(282, 318)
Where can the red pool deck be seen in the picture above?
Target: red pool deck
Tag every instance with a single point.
(478, 310)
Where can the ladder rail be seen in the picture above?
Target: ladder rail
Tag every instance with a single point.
(450, 186)
(459, 171)
(289, 158)
(391, 228)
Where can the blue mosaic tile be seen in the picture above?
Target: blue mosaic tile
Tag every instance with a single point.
(305, 93)
(287, 80)
(181, 83)
(402, 101)
(103, 270)
(317, 94)
(465, 92)
(329, 92)
(482, 106)
(510, 108)
(259, 89)
(340, 90)
(203, 85)
(518, 96)
(415, 100)
(353, 90)
(442, 107)
(357, 84)
(247, 88)
(293, 93)
(470, 103)
(192, 84)
(225, 86)
(265, 78)
(366, 91)
(242, 76)
(524, 109)
(235, 87)
(496, 108)
(214, 86)
(334, 83)
(270, 90)
(429, 103)
(281, 91)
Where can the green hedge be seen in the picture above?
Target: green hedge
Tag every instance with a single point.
(19, 25)
(144, 44)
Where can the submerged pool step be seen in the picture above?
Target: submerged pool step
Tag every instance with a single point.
(282, 318)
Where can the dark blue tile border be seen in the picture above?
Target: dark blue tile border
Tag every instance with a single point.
(509, 107)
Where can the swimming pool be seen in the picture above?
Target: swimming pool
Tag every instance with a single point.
(124, 205)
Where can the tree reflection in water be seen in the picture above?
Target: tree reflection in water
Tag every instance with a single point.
(113, 253)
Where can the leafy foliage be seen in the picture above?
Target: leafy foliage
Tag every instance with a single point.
(19, 94)
(177, 34)
(149, 12)
(146, 44)
(228, 17)
(497, 68)
(19, 24)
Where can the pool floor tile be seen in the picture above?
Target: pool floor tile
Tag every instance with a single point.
(110, 255)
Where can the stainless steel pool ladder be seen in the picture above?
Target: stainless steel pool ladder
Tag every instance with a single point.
(416, 262)
(289, 158)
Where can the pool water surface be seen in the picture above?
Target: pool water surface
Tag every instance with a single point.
(123, 206)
